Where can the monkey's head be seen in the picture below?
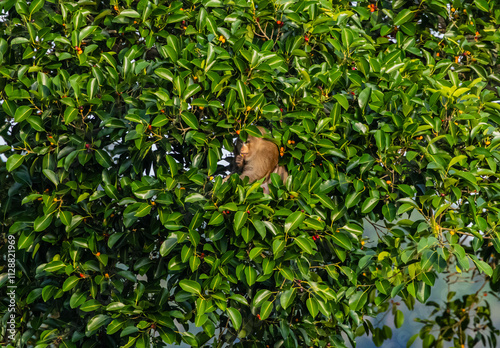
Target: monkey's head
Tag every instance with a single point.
(246, 149)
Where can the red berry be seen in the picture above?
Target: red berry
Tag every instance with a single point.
(306, 38)
(87, 146)
(281, 109)
(248, 211)
(442, 195)
(258, 316)
(353, 68)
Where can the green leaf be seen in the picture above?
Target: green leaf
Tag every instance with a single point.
(70, 114)
(51, 176)
(212, 159)
(190, 91)
(103, 158)
(399, 319)
(293, 221)
(278, 246)
(256, 251)
(190, 286)
(482, 5)
(369, 204)
(250, 275)
(342, 240)
(25, 240)
(70, 283)
(42, 222)
(54, 266)
(160, 121)
(112, 192)
(65, 217)
(403, 17)
(312, 306)
(22, 113)
(287, 298)
(352, 199)
(303, 243)
(173, 165)
(142, 210)
(240, 218)
(164, 74)
(129, 13)
(358, 300)
(482, 266)
(261, 296)
(14, 161)
(90, 306)
(455, 160)
(265, 310)
(326, 201)
(190, 119)
(235, 317)
(96, 322)
(36, 5)
(242, 92)
(115, 325)
(342, 100)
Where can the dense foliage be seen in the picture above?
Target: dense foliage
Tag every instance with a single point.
(115, 116)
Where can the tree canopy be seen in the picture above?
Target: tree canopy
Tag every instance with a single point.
(115, 115)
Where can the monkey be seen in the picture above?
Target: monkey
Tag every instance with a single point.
(258, 158)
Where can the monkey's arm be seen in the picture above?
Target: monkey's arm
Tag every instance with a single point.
(240, 161)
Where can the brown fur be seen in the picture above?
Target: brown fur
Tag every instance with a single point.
(258, 158)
